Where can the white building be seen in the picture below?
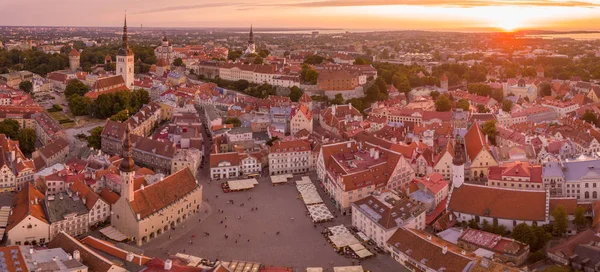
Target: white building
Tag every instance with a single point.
(379, 216)
(289, 157)
(224, 165)
(27, 223)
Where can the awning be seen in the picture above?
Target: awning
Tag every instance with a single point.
(363, 253)
(319, 213)
(314, 269)
(281, 178)
(357, 268)
(113, 234)
(304, 180)
(243, 184)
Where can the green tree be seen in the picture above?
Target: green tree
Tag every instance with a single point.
(258, 60)
(360, 61)
(482, 109)
(480, 89)
(10, 128)
(308, 75)
(234, 54)
(241, 85)
(524, 233)
(26, 86)
(589, 117)
(27, 139)
(263, 53)
(120, 116)
(272, 140)
(463, 104)
(489, 129)
(401, 83)
(579, 219)
(79, 105)
(234, 121)
(178, 62)
(358, 104)
(94, 140)
(295, 93)
(338, 99)
(545, 89)
(560, 220)
(556, 268)
(542, 237)
(314, 59)
(75, 86)
(507, 105)
(434, 95)
(443, 103)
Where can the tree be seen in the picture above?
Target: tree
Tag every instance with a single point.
(234, 121)
(560, 220)
(272, 140)
(579, 219)
(178, 62)
(27, 139)
(295, 93)
(589, 117)
(524, 233)
(360, 61)
(489, 128)
(263, 53)
(338, 99)
(556, 268)
(26, 86)
(234, 54)
(258, 60)
(434, 95)
(75, 86)
(308, 75)
(400, 81)
(120, 116)
(482, 109)
(79, 105)
(241, 85)
(94, 140)
(480, 89)
(358, 104)
(443, 103)
(10, 128)
(314, 59)
(507, 105)
(463, 104)
(545, 89)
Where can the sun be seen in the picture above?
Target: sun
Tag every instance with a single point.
(508, 26)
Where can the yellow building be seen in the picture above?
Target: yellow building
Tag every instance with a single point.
(479, 156)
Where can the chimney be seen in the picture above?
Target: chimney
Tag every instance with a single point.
(463, 252)
(31, 250)
(83, 200)
(333, 109)
(76, 255)
(445, 250)
(372, 152)
(429, 237)
(36, 200)
(377, 154)
(168, 264)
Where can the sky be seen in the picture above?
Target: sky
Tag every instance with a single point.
(345, 14)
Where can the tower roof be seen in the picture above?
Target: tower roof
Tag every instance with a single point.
(251, 36)
(444, 77)
(74, 53)
(127, 164)
(125, 50)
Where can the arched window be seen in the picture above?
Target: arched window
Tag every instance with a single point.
(594, 194)
(587, 195)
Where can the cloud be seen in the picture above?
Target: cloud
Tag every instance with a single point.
(445, 3)
(189, 7)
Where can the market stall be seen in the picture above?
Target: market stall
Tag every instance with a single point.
(239, 185)
(319, 213)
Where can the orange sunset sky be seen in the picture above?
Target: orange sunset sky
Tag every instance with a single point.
(346, 14)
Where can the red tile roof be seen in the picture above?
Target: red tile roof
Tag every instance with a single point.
(163, 193)
(499, 202)
(24, 205)
(475, 141)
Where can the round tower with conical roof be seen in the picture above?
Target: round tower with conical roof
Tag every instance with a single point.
(458, 163)
(127, 167)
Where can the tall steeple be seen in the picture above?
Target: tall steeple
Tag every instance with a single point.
(124, 50)
(251, 37)
(127, 164)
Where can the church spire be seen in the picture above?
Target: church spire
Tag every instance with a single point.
(125, 41)
(127, 164)
(251, 38)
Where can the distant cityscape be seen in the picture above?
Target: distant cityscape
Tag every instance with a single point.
(181, 149)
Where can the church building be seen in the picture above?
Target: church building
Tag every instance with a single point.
(165, 50)
(125, 67)
(143, 213)
(251, 47)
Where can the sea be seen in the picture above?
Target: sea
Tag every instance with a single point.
(574, 36)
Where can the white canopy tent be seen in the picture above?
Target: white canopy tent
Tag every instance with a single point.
(242, 184)
(357, 268)
(319, 213)
(113, 233)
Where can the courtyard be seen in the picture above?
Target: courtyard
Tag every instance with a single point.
(252, 223)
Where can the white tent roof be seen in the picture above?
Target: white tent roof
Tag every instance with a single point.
(319, 212)
(314, 269)
(357, 268)
(242, 184)
(113, 233)
(281, 178)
